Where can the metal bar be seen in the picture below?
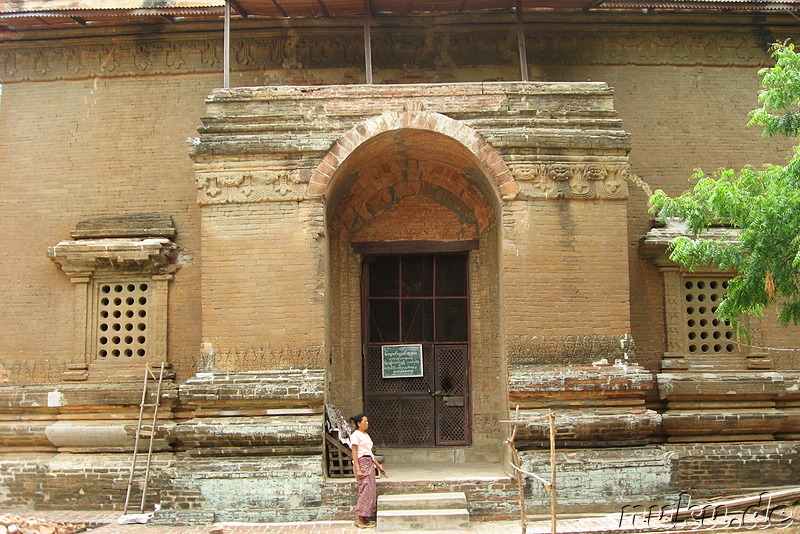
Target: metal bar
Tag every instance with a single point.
(368, 41)
(523, 54)
(226, 47)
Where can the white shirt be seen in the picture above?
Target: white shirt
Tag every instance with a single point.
(363, 441)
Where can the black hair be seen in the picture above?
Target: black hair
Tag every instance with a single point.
(357, 418)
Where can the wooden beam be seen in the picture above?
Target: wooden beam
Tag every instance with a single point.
(413, 247)
(280, 8)
(239, 9)
(323, 7)
(368, 41)
(592, 4)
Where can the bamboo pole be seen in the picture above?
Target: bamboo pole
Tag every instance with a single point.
(549, 485)
(520, 484)
(553, 486)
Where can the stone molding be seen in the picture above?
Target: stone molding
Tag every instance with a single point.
(142, 255)
(279, 49)
(493, 121)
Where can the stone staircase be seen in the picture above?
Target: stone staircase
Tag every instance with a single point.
(423, 511)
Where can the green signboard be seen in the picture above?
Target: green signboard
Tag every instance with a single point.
(402, 361)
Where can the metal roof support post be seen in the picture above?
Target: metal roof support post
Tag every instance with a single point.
(368, 40)
(226, 47)
(523, 54)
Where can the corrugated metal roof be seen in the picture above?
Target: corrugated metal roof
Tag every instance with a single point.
(40, 14)
(704, 5)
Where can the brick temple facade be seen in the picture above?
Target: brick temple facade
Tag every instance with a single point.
(266, 241)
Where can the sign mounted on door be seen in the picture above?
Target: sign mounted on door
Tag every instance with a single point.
(401, 361)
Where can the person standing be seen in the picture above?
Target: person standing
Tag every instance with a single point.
(364, 465)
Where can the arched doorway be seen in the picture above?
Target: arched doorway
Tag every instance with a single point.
(413, 228)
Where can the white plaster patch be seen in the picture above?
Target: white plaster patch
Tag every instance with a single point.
(56, 398)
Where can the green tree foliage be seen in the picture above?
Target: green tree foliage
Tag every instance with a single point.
(762, 206)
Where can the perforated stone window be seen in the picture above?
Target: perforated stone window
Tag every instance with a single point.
(120, 268)
(705, 333)
(123, 315)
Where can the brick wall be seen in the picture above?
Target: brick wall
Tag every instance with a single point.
(116, 147)
(718, 467)
(556, 267)
(119, 142)
(566, 268)
(261, 276)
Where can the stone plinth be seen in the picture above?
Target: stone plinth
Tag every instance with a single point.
(730, 406)
(595, 406)
(263, 412)
(90, 418)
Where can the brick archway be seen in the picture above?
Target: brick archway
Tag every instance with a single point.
(487, 158)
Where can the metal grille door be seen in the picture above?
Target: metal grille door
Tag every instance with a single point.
(418, 299)
(451, 394)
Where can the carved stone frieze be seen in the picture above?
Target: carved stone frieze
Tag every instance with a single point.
(320, 47)
(566, 179)
(252, 186)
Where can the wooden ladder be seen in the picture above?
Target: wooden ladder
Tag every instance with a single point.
(145, 430)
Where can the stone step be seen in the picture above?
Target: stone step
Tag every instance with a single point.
(423, 501)
(422, 520)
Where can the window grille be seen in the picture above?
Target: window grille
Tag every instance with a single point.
(122, 320)
(705, 333)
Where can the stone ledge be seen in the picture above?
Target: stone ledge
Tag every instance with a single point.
(598, 427)
(249, 432)
(739, 385)
(64, 397)
(602, 381)
(286, 388)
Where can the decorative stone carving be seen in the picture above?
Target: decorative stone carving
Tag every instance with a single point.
(270, 48)
(255, 186)
(571, 180)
